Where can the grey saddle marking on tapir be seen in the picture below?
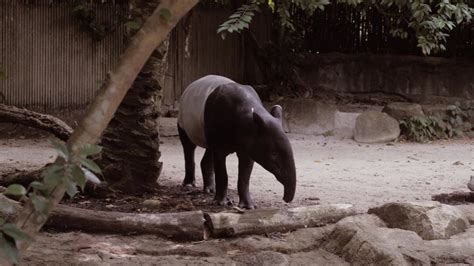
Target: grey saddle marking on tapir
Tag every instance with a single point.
(223, 117)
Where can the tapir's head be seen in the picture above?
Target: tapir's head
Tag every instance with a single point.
(272, 149)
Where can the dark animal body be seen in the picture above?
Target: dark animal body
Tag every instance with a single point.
(224, 117)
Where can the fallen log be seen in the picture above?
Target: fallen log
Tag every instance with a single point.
(23, 178)
(177, 226)
(264, 221)
(456, 197)
(49, 123)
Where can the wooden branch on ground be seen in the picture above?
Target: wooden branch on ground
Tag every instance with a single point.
(178, 226)
(49, 123)
(225, 224)
(23, 178)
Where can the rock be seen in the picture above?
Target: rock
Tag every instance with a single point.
(374, 127)
(466, 126)
(315, 257)
(345, 123)
(401, 110)
(307, 116)
(436, 110)
(262, 258)
(470, 184)
(470, 115)
(457, 249)
(465, 104)
(362, 240)
(151, 204)
(468, 210)
(429, 219)
(168, 126)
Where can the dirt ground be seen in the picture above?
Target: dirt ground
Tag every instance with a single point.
(329, 170)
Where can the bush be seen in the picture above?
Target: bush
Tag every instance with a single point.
(423, 129)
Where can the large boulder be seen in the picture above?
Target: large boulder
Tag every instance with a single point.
(429, 219)
(307, 116)
(440, 111)
(363, 240)
(402, 110)
(375, 127)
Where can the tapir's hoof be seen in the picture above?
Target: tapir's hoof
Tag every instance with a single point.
(247, 205)
(187, 185)
(209, 190)
(224, 202)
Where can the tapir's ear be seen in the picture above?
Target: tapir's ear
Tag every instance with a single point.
(277, 112)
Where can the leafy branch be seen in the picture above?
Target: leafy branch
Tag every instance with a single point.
(429, 20)
(71, 170)
(239, 20)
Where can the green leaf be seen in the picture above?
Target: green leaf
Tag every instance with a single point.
(91, 165)
(133, 25)
(71, 188)
(37, 185)
(53, 175)
(60, 147)
(90, 176)
(15, 233)
(78, 176)
(165, 14)
(8, 247)
(41, 204)
(89, 149)
(16, 190)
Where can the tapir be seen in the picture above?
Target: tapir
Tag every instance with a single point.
(224, 117)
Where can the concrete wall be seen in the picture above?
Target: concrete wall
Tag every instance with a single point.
(406, 75)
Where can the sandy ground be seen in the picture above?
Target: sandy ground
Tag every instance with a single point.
(337, 170)
(329, 169)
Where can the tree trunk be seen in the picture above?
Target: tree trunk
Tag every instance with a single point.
(131, 141)
(109, 97)
(49, 123)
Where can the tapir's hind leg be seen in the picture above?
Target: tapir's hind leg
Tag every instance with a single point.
(245, 170)
(189, 165)
(221, 179)
(207, 168)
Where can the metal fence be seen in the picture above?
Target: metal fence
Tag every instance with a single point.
(50, 63)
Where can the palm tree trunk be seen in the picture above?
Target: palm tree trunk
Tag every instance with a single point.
(131, 141)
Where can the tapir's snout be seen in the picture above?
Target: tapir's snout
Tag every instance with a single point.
(289, 189)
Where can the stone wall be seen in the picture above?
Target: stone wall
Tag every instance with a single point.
(410, 76)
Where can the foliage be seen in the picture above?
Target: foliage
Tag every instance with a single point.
(240, 20)
(86, 14)
(429, 20)
(70, 169)
(422, 129)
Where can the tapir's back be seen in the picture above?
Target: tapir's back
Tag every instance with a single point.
(193, 103)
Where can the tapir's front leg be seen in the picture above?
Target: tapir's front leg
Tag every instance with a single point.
(245, 170)
(221, 178)
(188, 147)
